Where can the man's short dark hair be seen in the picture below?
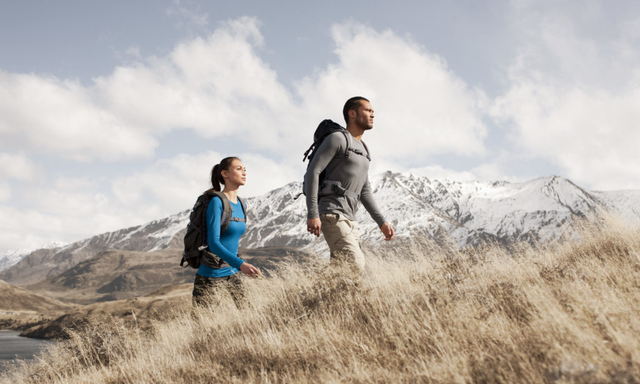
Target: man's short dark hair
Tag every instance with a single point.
(352, 103)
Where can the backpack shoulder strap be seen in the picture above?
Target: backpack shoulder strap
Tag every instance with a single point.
(244, 206)
(366, 149)
(349, 148)
(244, 211)
(347, 136)
(203, 201)
(226, 210)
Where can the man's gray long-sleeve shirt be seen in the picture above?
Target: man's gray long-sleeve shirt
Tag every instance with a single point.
(351, 172)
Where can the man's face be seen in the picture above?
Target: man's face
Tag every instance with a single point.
(364, 115)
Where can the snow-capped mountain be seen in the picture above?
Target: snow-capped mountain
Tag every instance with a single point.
(44, 263)
(447, 211)
(462, 212)
(9, 258)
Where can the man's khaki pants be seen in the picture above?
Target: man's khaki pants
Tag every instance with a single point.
(343, 237)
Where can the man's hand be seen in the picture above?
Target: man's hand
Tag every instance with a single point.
(314, 226)
(250, 270)
(387, 230)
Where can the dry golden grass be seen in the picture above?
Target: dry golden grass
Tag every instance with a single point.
(563, 314)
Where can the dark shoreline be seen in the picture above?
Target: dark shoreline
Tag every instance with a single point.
(23, 326)
(14, 346)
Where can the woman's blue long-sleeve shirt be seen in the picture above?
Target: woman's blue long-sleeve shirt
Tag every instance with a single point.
(224, 246)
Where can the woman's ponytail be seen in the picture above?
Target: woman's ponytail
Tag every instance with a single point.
(216, 178)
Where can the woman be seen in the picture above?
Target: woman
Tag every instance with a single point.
(220, 265)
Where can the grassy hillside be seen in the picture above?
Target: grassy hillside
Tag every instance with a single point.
(17, 299)
(20, 308)
(567, 314)
(139, 312)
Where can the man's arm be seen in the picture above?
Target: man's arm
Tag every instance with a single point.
(366, 197)
(327, 150)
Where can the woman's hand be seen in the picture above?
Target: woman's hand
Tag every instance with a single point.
(250, 270)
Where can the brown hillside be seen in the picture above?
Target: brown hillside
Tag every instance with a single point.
(19, 307)
(119, 275)
(16, 299)
(139, 311)
(116, 275)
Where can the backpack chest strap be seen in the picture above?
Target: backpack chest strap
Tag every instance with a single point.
(238, 219)
(350, 148)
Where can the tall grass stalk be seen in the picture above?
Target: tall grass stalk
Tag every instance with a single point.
(567, 313)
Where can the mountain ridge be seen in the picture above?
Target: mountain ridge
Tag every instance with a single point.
(467, 213)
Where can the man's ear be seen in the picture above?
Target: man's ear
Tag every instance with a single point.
(352, 113)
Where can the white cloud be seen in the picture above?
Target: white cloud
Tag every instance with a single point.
(265, 174)
(65, 183)
(70, 215)
(17, 166)
(592, 134)
(169, 185)
(75, 208)
(61, 216)
(27, 228)
(173, 184)
(493, 171)
(217, 86)
(5, 192)
(60, 117)
(575, 100)
(422, 108)
(438, 172)
(482, 172)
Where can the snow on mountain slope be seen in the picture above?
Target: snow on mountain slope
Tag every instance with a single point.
(43, 263)
(625, 203)
(448, 211)
(11, 258)
(539, 209)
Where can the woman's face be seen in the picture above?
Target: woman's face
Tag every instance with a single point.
(236, 174)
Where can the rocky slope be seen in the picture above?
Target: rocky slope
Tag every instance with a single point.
(460, 212)
(10, 258)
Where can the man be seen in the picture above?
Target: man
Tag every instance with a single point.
(335, 213)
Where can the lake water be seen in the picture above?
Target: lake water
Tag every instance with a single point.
(11, 345)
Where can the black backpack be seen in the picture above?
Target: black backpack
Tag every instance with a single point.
(195, 240)
(325, 128)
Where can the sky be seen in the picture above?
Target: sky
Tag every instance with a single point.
(112, 114)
